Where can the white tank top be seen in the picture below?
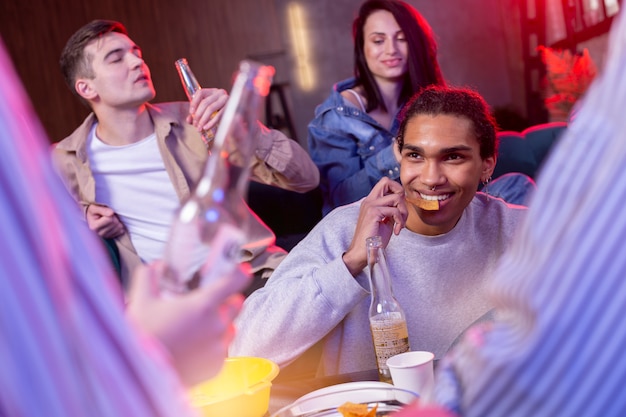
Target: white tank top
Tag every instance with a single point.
(132, 180)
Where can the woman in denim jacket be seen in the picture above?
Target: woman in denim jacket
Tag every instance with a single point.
(351, 136)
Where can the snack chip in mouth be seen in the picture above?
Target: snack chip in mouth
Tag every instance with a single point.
(424, 204)
(349, 409)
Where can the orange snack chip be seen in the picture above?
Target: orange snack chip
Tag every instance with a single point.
(424, 204)
(349, 409)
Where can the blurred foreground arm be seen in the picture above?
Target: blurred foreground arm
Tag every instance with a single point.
(196, 328)
(556, 345)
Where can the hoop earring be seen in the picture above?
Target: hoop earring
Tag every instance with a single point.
(485, 183)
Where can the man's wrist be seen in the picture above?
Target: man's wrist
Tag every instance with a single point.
(354, 265)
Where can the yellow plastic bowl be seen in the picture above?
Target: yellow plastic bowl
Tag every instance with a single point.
(242, 389)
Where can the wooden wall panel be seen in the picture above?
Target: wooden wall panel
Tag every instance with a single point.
(214, 35)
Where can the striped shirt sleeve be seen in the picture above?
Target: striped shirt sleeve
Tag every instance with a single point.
(556, 346)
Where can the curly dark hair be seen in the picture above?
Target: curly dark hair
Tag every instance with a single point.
(423, 67)
(73, 61)
(462, 102)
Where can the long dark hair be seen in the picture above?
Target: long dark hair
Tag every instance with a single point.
(423, 67)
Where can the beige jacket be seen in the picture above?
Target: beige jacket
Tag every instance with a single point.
(279, 161)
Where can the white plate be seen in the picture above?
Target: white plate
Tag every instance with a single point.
(345, 386)
(324, 402)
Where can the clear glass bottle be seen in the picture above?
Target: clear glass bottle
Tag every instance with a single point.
(387, 319)
(212, 222)
(191, 85)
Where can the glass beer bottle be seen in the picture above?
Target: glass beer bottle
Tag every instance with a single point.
(191, 85)
(387, 318)
(212, 222)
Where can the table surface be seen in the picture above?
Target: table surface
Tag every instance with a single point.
(284, 392)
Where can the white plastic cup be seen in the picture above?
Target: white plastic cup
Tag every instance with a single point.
(413, 371)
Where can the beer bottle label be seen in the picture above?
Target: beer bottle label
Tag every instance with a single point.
(390, 336)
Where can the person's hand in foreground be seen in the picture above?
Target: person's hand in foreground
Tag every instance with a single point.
(382, 213)
(196, 328)
(104, 221)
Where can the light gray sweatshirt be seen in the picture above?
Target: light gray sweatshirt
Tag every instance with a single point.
(439, 281)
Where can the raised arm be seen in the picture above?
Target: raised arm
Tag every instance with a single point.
(282, 162)
(320, 282)
(279, 160)
(306, 297)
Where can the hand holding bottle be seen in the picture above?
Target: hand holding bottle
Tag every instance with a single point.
(205, 109)
(195, 328)
(387, 319)
(210, 227)
(206, 104)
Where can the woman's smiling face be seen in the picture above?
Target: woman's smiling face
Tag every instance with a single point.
(441, 152)
(385, 46)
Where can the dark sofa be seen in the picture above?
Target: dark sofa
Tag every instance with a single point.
(526, 151)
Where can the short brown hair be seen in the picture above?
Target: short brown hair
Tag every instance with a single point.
(73, 61)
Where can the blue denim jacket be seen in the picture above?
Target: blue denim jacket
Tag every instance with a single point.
(352, 151)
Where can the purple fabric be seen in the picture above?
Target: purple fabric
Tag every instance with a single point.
(67, 349)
